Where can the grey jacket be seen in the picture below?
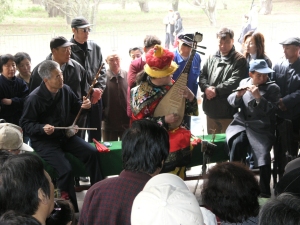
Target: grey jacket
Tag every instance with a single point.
(224, 74)
(256, 119)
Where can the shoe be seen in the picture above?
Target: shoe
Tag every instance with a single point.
(84, 179)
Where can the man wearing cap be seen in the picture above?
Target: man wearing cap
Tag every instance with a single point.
(48, 106)
(11, 139)
(220, 74)
(287, 77)
(89, 55)
(253, 126)
(137, 66)
(74, 74)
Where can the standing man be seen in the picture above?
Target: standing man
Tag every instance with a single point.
(74, 75)
(50, 106)
(145, 147)
(115, 119)
(169, 21)
(221, 74)
(287, 77)
(89, 55)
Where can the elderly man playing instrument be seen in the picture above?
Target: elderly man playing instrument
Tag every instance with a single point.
(253, 126)
(157, 81)
(50, 106)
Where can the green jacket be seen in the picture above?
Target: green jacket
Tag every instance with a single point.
(225, 75)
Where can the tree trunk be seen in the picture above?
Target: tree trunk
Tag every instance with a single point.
(175, 5)
(266, 7)
(210, 11)
(123, 4)
(144, 5)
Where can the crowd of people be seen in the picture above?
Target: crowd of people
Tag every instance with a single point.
(255, 104)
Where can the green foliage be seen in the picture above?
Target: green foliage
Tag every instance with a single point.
(5, 8)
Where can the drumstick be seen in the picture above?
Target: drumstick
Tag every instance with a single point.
(270, 82)
(76, 128)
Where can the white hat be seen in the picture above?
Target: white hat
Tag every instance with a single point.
(11, 138)
(166, 200)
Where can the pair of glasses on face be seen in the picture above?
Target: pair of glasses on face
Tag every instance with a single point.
(85, 30)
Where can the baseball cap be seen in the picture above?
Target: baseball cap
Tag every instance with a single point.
(166, 200)
(260, 65)
(60, 41)
(291, 41)
(11, 138)
(186, 38)
(80, 22)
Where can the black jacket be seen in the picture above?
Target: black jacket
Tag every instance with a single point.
(40, 109)
(74, 75)
(91, 60)
(16, 90)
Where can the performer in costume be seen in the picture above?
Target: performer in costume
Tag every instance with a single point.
(156, 82)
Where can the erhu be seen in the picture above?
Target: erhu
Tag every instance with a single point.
(172, 102)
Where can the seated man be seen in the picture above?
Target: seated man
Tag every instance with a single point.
(145, 147)
(25, 187)
(253, 127)
(50, 106)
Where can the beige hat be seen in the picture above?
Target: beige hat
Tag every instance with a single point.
(166, 200)
(11, 138)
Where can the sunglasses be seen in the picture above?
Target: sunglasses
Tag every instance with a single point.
(85, 30)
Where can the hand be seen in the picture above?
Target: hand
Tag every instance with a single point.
(187, 94)
(281, 105)
(6, 101)
(241, 91)
(210, 92)
(86, 103)
(254, 91)
(48, 129)
(171, 118)
(97, 94)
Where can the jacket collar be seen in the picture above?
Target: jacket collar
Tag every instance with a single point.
(228, 57)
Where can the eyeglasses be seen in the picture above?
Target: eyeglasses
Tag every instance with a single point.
(85, 30)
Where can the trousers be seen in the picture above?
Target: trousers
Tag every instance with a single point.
(53, 152)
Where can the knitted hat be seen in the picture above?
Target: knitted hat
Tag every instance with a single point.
(11, 138)
(166, 200)
(159, 62)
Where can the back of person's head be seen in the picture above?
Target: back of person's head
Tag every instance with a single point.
(231, 191)
(13, 218)
(63, 213)
(150, 41)
(145, 146)
(166, 200)
(283, 210)
(22, 177)
(4, 155)
(20, 56)
(289, 183)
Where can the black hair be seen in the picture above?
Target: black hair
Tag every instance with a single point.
(223, 32)
(144, 146)
(62, 214)
(21, 176)
(20, 56)
(283, 210)
(13, 218)
(134, 49)
(4, 59)
(231, 192)
(4, 155)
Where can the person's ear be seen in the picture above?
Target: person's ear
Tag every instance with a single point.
(73, 30)
(43, 197)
